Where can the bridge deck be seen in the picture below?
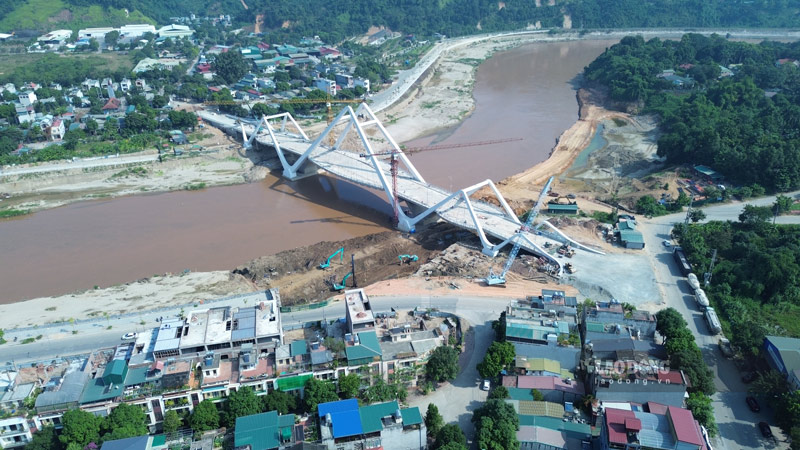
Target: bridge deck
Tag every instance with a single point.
(350, 166)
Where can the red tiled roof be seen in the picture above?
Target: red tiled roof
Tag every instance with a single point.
(615, 423)
(657, 408)
(112, 103)
(686, 429)
(214, 89)
(673, 376)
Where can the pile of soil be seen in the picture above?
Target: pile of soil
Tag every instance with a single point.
(297, 275)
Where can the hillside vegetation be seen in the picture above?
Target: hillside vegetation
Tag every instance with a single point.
(334, 21)
(726, 122)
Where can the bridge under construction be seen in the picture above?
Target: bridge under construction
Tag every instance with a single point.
(301, 157)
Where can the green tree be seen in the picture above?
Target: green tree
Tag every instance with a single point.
(499, 391)
(668, 322)
(442, 365)
(496, 425)
(316, 392)
(172, 421)
(280, 401)
(433, 420)
(80, 427)
(92, 126)
(45, 439)
(783, 204)
(451, 446)
(692, 363)
(648, 206)
(111, 38)
(450, 433)
(205, 417)
(753, 215)
(700, 406)
(696, 215)
(498, 356)
(537, 395)
(230, 66)
(124, 421)
(349, 385)
(770, 384)
(243, 402)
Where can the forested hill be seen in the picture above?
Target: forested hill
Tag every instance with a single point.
(336, 20)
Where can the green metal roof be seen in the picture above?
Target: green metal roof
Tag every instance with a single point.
(574, 430)
(115, 371)
(263, 431)
(557, 207)
(626, 225)
(595, 327)
(367, 350)
(371, 415)
(136, 376)
(292, 383)
(519, 394)
(411, 416)
(705, 170)
(298, 348)
(631, 236)
(534, 332)
(159, 440)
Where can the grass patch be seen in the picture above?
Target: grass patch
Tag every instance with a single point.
(39, 337)
(46, 15)
(52, 308)
(430, 105)
(29, 340)
(619, 122)
(795, 207)
(6, 213)
(139, 172)
(605, 217)
(194, 186)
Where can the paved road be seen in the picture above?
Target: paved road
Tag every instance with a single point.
(737, 424)
(79, 164)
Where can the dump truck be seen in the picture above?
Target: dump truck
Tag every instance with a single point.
(713, 321)
(701, 298)
(569, 268)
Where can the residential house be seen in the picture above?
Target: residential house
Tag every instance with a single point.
(364, 350)
(90, 83)
(14, 432)
(346, 426)
(676, 428)
(783, 354)
(57, 130)
(640, 384)
(27, 98)
(344, 81)
(554, 389)
(326, 85)
(112, 105)
(362, 82)
(638, 324)
(358, 313)
(140, 83)
(13, 390)
(24, 113)
(265, 431)
(125, 85)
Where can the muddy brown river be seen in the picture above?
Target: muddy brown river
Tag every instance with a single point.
(526, 92)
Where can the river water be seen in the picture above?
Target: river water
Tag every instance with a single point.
(526, 92)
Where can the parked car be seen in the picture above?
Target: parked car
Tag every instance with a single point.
(666, 243)
(766, 431)
(725, 347)
(753, 404)
(749, 377)
(129, 336)
(485, 385)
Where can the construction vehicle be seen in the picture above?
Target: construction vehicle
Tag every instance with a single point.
(494, 279)
(395, 162)
(327, 263)
(408, 259)
(566, 250)
(701, 298)
(569, 268)
(694, 283)
(339, 286)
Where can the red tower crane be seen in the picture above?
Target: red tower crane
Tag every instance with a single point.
(395, 162)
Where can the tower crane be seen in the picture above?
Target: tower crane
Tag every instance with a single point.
(395, 162)
(494, 279)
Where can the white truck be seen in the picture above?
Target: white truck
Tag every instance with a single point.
(713, 321)
(693, 281)
(701, 298)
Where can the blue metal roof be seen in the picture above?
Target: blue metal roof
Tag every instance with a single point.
(345, 418)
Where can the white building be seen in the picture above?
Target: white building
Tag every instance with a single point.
(326, 85)
(27, 98)
(14, 432)
(57, 130)
(98, 34)
(125, 85)
(363, 82)
(135, 31)
(171, 31)
(90, 83)
(55, 38)
(25, 113)
(359, 314)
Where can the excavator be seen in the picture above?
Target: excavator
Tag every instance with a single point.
(338, 287)
(408, 259)
(327, 263)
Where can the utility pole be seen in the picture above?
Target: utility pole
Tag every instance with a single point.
(707, 275)
(689, 210)
(353, 269)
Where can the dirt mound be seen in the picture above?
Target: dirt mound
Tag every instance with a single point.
(297, 274)
(466, 261)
